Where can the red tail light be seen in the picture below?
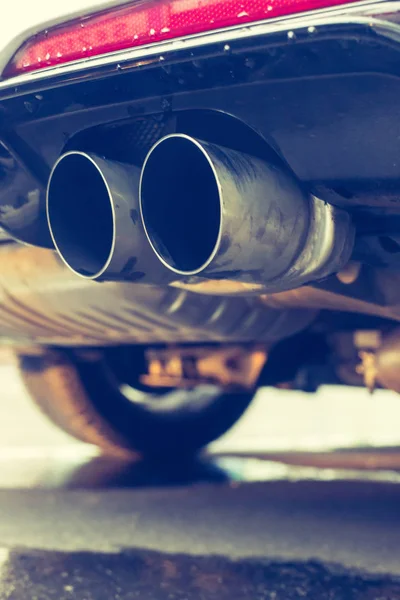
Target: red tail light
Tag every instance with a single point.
(137, 25)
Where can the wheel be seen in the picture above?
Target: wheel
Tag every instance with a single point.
(85, 398)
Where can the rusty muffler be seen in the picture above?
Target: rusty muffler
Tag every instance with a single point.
(212, 213)
(94, 220)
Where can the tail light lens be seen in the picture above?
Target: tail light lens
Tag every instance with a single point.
(137, 25)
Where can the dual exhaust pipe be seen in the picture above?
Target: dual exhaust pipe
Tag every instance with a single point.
(194, 213)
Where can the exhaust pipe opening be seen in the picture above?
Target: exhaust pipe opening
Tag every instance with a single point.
(181, 204)
(80, 214)
(222, 214)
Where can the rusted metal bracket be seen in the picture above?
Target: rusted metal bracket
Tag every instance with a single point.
(187, 367)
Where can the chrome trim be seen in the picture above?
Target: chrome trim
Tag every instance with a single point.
(154, 53)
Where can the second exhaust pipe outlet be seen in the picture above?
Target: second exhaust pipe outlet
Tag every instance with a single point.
(215, 213)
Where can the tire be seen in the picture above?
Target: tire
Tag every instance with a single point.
(82, 398)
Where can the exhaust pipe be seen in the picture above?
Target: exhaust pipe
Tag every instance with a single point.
(215, 213)
(94, 220)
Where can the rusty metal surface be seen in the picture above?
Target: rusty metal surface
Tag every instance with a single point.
(319, 298)
(187, 367)
(41, 301)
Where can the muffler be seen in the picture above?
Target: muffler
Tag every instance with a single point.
(214, 213)
(94, 220)
(42, 302)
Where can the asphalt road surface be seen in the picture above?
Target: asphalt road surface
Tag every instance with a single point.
(252, 519)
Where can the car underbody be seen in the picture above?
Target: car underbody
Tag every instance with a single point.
(219, 209)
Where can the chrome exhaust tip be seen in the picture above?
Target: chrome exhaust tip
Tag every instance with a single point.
(216, 213)
(181, 204)
(94, 220)
(81, 214)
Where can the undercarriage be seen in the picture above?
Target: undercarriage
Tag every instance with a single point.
(189, 220)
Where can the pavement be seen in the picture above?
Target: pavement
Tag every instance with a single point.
(257, 517)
